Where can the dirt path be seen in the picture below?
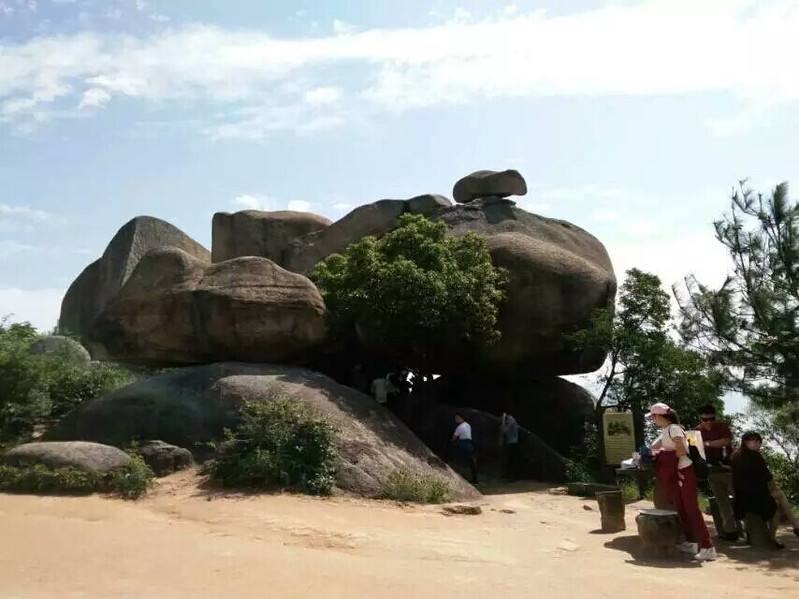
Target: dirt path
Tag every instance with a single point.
(179, 542)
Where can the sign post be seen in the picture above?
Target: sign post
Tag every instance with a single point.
(619, 436)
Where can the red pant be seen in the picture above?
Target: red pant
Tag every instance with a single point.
(681, 487)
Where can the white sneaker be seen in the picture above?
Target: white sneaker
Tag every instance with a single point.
(706, 555)
(688, 547)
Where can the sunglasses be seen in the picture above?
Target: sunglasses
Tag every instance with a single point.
(708, 418)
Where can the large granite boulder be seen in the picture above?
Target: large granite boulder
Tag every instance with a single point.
(193, 405)
(90, 457)
(554, 409)
(559, 275)
(102, 279)
(176, 309)
(256, 233)
(377, 218)
(61, 347)
(485, 184)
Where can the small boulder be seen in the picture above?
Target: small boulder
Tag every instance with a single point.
(462, 510)
(82, 455)
(481, 184)
(163, 458)
(61, 346)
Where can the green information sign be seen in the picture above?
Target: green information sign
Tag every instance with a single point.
(619, 435)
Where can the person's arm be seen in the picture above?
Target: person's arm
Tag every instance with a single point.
(723, 442)
(680, 447)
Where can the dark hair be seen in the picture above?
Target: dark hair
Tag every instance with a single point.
(459, 415)
(751, 435)
(708, 409)
(672, 416)
(747, 436)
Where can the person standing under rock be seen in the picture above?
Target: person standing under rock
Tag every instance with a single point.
(509, 439)
(676, 476)
(464, 445)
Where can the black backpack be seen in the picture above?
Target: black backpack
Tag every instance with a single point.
(700, 464)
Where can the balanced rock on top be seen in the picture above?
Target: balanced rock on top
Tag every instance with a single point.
(484, 184)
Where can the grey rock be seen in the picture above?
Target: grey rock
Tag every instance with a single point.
(195, 404)
(377, 218)
(265, 234)
(480, 184)
(57, 345)
(177, 309)
(164, 458)
(91, 457)
(102, 279)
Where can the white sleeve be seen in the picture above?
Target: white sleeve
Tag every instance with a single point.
(676, 432)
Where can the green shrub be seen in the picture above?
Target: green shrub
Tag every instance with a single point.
(278, 444)
(629, 491)
(416, 488)
(130, 481)
(37, 389)
(785, 473)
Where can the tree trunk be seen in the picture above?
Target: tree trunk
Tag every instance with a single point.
(611, 509)
(660, 532)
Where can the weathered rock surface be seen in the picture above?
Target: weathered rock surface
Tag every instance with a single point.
(60, 346)
(377, 218)
(102, 279)
(164, 458)
(481, 184)
(177, 309)
(554, 409)
(92, 457)
(195, 404)
(265, 234)
(559, 274)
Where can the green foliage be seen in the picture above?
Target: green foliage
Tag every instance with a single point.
(629, 491)
(278, 444)
(584, 464)
(416, 290)
(645, 364)
(130, 481)
(416, 488)
(36, 389)
(749, 325)
(786, 474)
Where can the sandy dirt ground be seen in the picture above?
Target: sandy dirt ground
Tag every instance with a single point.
(181, 541)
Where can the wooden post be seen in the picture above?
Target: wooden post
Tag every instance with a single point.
(660, 532)
(757, 532)
(611, 508)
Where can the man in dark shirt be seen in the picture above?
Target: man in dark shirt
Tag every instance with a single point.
(716, 436)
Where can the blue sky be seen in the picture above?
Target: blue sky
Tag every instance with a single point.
(630, 119)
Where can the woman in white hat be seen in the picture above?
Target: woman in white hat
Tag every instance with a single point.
(677, 478)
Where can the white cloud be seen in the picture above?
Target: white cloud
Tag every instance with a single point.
(299, 205)
(10, 248)
(23, 213)
(251, 202)
(94, 98)
(40, 307)
(740, 48)
(319, 96)
(140, 5)
(343, 28)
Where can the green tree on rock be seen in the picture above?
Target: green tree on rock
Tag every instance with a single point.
(416, 294)
(645, 364)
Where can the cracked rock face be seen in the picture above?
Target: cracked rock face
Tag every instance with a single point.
(176, 309)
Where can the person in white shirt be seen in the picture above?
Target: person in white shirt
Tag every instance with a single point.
(464, 445)
(675, 473)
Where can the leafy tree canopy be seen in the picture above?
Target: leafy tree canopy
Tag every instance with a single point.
(416, 293)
